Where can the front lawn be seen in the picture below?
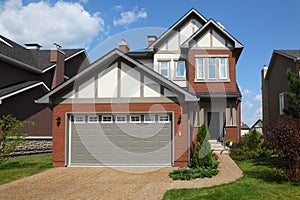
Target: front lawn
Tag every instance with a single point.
(17, 168)
(258, 182)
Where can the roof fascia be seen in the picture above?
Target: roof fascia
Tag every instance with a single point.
(41, 84)
(151, 47)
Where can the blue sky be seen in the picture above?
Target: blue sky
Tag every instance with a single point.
(261, 26)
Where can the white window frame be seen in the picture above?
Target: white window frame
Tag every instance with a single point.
(281, 103)
(135, 116)
(151, 117)
(107, 122)
(168, 66)
(160, 117)
(76, 117)
(91, 119)
(118, 118)
(203, 68)
(226, 68)
(184, 71)
(215, 66)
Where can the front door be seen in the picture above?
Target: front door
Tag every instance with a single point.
(213, 123)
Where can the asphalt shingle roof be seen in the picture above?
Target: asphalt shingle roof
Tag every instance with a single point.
(16, 87)
(292, 53)
(39, 59)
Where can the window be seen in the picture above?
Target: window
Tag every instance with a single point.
(121, 119)
(211, 68)
(93, 119)
(164, 68)
(200, 68)
(223, 68)
(180, 69)
(135, 119)
(107, 119)
(79, 119)
(281, 103)
(163, 118)
(149, 118)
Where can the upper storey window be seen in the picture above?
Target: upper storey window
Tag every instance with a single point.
(211, 69)
(180, 69)
(223, 68)
(164, 68)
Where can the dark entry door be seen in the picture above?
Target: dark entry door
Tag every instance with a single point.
(213, 123)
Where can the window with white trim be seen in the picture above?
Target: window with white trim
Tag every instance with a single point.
(211, 68)
(93, 119)
(180, 68)
(79, 119)
(164, 68)
(149, 118)
(121, 119)
(135, 118)
(163, 118)
(281, 103)
(107, 119)
(200, 68)
(223, 68)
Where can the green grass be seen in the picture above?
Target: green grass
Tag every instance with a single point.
(258, 182)
(17, 168)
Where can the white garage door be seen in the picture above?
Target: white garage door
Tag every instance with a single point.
(122, 139)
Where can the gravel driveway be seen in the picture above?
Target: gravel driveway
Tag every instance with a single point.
(110, 183)
(89, 183)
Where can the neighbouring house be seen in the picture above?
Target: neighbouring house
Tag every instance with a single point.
(244, 129)
(258, 126)
(144, 108)
(28, 73)
(275, 83)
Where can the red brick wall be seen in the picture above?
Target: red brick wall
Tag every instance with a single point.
(180, 130)
(211, 86)
(231, 133)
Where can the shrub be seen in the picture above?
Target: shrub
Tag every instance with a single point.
(202, 155)
(193, 173)
(283, 136)
(251, 146)
(11, 135)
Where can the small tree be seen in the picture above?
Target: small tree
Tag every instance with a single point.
(293, 95)
(202, 155)
(11, 135)
(283, 136)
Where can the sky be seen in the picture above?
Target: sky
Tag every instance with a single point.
(260, 25)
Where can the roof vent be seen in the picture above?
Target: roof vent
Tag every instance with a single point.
(33, 46)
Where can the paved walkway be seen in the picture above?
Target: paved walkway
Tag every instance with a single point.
(109, 183)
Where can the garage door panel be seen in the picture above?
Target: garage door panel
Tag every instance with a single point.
(121, 143)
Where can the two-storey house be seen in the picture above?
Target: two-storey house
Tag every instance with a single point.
(144, 108)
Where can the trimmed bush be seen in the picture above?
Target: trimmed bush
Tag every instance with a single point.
(202, 155)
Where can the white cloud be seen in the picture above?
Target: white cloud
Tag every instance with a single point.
(247, 92)
(258, 112)
(130, 17)
(83, 1)
(66, 23)
(248, 104)
(257, 97)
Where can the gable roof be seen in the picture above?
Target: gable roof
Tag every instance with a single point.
(244, 126)
(37, 61)
(258, 122)
(106, 61)
(292, 54)
(202, 30)
(191, 13)
(20, 87)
